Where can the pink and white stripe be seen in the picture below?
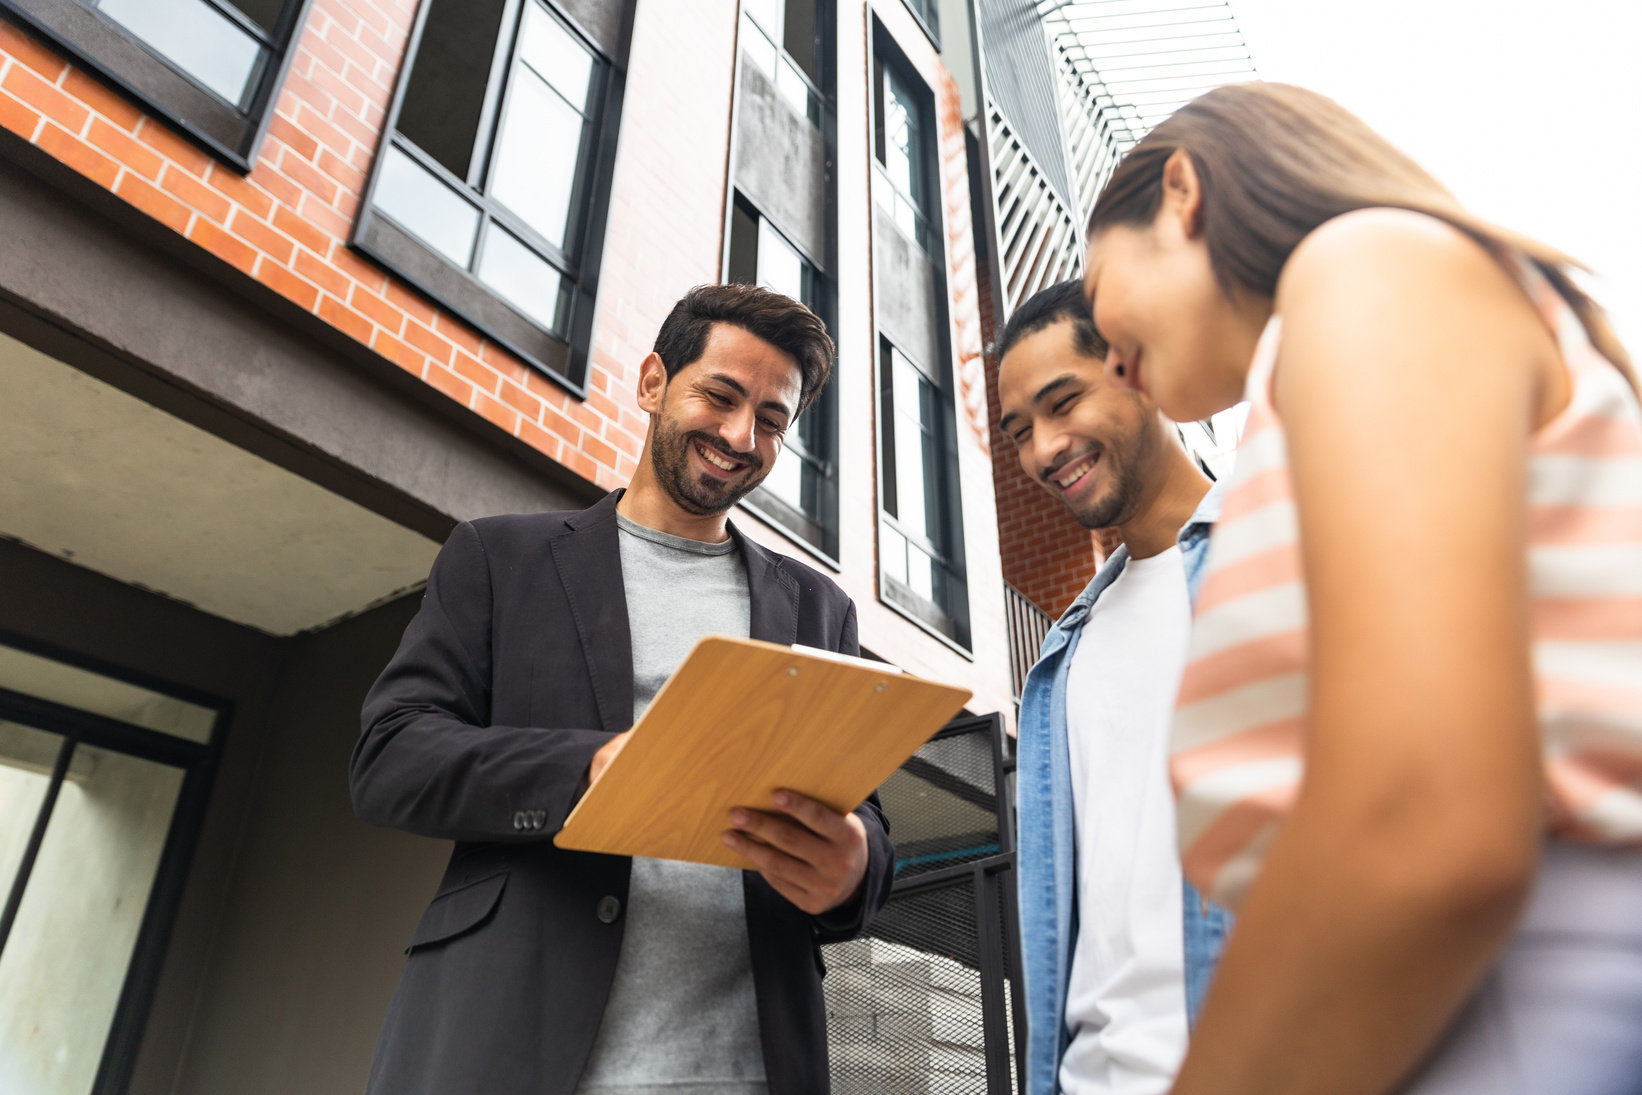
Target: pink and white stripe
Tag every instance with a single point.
(1239, 752)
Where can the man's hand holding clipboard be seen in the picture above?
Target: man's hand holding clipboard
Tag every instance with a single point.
(753, 756)
(813, 855)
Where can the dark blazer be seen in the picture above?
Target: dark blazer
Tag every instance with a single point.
(518, 667)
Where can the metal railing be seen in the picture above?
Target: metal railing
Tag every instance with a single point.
(1028, 624)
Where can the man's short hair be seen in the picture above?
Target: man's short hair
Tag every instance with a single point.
(1048, 307)
(779, 320)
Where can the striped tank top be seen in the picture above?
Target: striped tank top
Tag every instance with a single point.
(1239, 734)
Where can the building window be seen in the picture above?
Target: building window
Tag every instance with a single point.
(920, 545)
(919, 542)
(489, 188)
(784, 39)
(901, 183)
(209, 67)
(801, 491)
(781, 228)
(102, 784)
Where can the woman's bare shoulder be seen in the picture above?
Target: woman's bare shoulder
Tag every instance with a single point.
(1391, 247)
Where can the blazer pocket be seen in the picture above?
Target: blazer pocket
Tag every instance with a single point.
(460, 910)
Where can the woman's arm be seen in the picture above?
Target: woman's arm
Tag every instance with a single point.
(1411, 373)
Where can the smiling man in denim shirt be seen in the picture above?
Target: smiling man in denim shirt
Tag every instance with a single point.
(1118, 948)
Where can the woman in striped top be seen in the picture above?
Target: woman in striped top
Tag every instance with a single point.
(1409, 738)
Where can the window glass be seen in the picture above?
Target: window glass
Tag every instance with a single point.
(768, 15)
(801, 480)
(197, 38)
(71, 686)
(264, 13)
(894, 547)
(536, 155)
(557, 58)
(759, 49)
(914, 402)
(921, 573)
(798, 37)
(65, 960)
(413, 196)
(792, 87)
(522, 277)
(786, 478)
(445, 92)
(743, 264)
(903, 139)
(27, 757)
(780, 267)
(758, 41)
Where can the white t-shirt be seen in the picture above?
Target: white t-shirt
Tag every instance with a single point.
(1126, 1005)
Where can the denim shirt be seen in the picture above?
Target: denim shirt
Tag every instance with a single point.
(1047, 876)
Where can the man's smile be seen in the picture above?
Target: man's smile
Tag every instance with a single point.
(1073, 473)
(717, 460)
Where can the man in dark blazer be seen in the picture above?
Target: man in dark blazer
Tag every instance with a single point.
(540, 971)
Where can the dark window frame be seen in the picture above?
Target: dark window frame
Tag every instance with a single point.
(951, 625)
(927, 14)
(817, 533)
(564, 356)
(198, 762)
(162, 88)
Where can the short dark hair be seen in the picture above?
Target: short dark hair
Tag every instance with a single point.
(779, 320)
(1050, 306)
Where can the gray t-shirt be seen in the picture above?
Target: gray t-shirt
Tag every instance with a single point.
(682, 1018)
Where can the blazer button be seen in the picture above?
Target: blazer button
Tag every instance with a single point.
(518, 819)
(609, 908)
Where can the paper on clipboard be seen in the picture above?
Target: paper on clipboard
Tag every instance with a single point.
(739, 719)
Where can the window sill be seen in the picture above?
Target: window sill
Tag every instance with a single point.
(766, 518)
(886, 598)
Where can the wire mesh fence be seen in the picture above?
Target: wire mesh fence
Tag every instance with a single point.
(921, 1002)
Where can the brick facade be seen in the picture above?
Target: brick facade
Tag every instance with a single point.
(287, 222)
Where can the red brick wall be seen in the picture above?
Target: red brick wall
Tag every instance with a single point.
(1047, 555)
(286, 223)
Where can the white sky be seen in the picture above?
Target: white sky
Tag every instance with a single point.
(1531, 112)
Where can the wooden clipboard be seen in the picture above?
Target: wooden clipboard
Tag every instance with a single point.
(739, 719)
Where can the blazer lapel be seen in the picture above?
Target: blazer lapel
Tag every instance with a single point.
(588, 558)
(774, 593)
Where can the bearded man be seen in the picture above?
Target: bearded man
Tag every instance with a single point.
(541, 639)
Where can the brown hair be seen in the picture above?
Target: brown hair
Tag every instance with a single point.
(779, 320)
(1275, 162)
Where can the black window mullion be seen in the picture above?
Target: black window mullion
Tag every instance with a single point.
(100, 732)
(589, 112)
(31, 851)
(246, 23)
(501, 64)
